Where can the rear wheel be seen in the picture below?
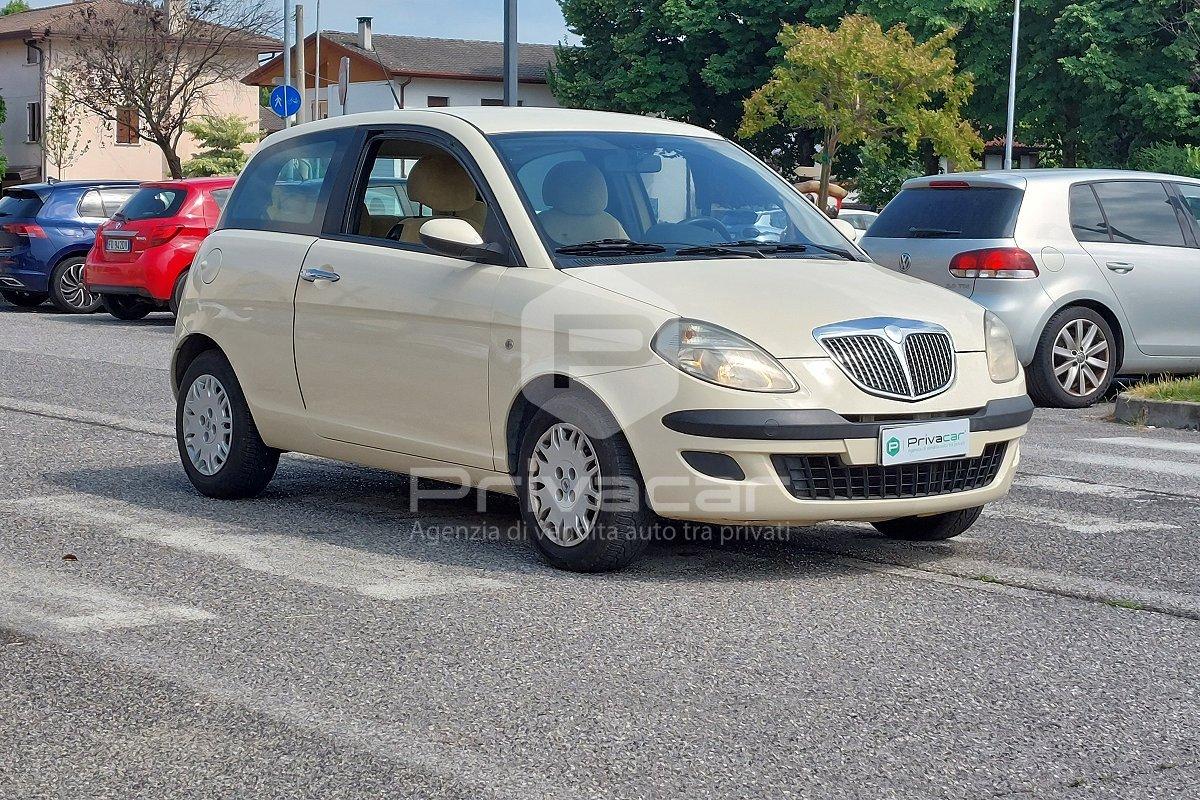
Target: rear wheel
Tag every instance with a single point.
(126, 307)
(219, 445)
(931, 528)
(67, 292)
(24, 299)
(581, 495)
(1075, 361)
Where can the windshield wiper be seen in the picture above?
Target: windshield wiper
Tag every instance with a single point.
(761, 249)
(739, 249)
(602, 246)
(932, 233)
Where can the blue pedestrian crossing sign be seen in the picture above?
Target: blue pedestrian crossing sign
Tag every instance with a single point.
(285, 100)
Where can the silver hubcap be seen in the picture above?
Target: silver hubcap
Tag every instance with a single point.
(564, 485)
(207, 425)
(72, 288)
(1081, 357)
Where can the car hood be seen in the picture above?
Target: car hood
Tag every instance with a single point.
(777, 303)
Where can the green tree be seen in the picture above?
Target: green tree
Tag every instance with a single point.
(222, 138)
(62, 134)
(859, 83)
(14, 7)
(885, 166)
(1173, 159)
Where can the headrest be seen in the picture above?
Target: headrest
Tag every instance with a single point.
(575, 187)
(438, 181)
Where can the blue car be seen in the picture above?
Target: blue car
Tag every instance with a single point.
(46, 230)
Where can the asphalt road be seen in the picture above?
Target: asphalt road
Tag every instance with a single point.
(324, 642)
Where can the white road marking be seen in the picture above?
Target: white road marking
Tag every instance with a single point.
(1151, 444)
(1053, 483)
(1157, 466)
(33, 598)
(389, 578)
(1075, 521)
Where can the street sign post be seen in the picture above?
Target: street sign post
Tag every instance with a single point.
(285, 101)
(343, 81)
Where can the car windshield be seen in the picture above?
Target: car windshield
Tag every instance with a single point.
(601, 197)
(153, 202)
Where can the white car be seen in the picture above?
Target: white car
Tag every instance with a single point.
(572, 323)
(859, 220)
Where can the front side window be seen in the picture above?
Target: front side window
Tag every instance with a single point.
(1140, 212)
(128, 123)
(153, 203)
(1190, 194)
(406, 183)
(1087, 220)
(671, 196)
(285, 187)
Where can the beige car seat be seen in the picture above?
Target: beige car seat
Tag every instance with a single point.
(577, 197)
(440, 182)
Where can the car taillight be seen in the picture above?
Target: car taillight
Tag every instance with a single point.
(161, 234)
(994, 262)
(29, 230)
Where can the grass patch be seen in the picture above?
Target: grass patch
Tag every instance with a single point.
(1132, 605)
(1186, 389)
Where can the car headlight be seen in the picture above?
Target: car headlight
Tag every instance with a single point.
(713, 354)
(1001, 355)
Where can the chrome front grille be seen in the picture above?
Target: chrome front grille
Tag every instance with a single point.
(895, 358)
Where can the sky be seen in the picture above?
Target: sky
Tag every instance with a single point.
(538, 20)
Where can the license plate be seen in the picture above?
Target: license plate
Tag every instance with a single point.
(924, 441)
(117, 245)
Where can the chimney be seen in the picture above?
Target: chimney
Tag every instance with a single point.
(175, 12)
(364, 33)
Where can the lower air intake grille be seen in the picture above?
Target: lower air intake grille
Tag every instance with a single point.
(827, 478)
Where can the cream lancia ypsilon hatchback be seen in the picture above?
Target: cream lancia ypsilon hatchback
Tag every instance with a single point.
(549, 303)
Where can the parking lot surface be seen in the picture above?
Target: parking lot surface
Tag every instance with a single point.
(327, 641)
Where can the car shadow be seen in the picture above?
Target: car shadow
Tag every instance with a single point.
(372, 511)
(157, 319)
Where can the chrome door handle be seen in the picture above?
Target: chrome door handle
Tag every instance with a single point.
(1119, 266)
(314, 274)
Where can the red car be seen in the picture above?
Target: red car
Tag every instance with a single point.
(141, 256)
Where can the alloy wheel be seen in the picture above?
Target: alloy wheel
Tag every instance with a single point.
(72, 288)
(207, 425)
(1081, 357)
(564, 484)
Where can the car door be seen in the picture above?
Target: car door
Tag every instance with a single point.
(392, 341)
(1147, 252)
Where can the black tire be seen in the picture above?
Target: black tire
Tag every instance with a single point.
(177, 292)
(126, 307)
(1044, 387)
(67, 292)
(932, 528)
(24, 299)
(624, 524)
(250, 464)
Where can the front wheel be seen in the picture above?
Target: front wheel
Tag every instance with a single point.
(177, 293)
(1075, 361)
(24, 299)
(580, 491)
(932, 528)
(67, 292)
(126, 307)
(222, 452)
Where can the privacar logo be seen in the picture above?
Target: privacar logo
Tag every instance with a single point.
(893, 446)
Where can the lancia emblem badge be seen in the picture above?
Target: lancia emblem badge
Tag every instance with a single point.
(905, 262)
(895, 334)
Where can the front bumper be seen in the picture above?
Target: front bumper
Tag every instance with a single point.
(708, 419)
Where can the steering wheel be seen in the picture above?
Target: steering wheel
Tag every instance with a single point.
(710, 223)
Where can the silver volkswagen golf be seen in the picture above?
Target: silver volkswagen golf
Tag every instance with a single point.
(1095, 272)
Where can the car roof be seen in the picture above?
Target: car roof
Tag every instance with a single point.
(79, 184)
(215, 182)
(1022, 178)
(501, 119)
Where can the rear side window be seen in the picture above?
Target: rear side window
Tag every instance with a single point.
(91, 205)
(1087, 220)
(20, 204)
(1140, 212)
(969, 213)
(285, 187)
(154, 203)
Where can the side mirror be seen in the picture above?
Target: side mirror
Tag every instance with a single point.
(845, 228)
(457, 238)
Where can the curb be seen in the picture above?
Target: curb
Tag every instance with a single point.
(1158, 413)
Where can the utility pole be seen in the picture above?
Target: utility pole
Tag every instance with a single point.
(317, 69)
(1012, 87)
(301, 78)
(510, 52)
(287, 53)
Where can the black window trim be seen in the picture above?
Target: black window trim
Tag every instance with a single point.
(1187, 226)
(1192, 224)
(351, 176)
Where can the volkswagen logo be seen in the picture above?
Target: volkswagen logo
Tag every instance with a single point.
(905, 262)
